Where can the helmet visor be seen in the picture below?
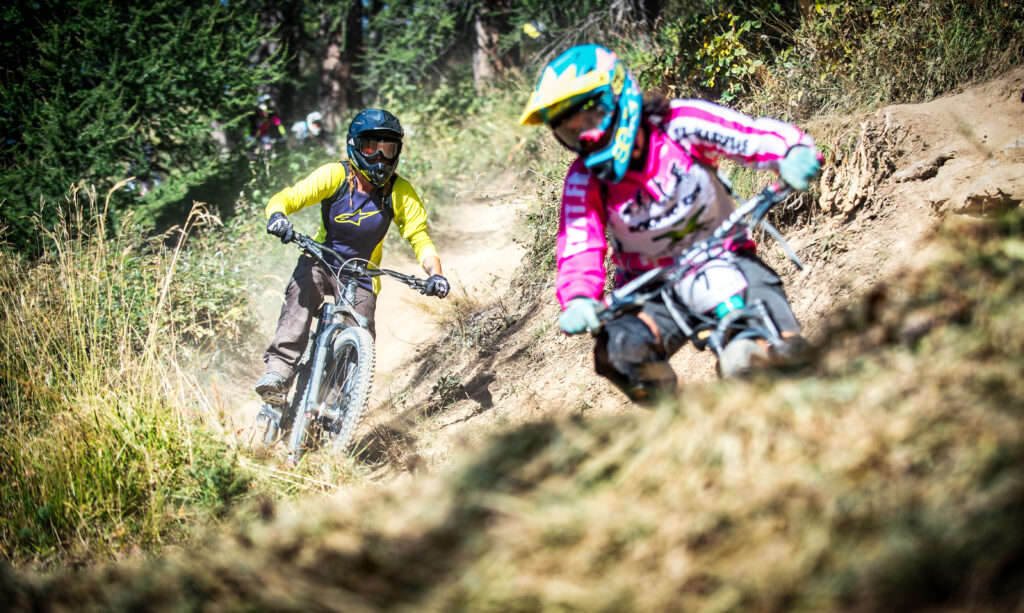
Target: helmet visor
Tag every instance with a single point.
(584, 129)
(371, 147)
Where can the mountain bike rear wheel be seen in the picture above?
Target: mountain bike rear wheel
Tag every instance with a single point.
(345, 391)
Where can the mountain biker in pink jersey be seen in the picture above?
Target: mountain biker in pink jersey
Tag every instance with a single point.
(358, 201)
(646, 175)
(266, 125)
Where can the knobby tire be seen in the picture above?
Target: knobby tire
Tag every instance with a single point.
(341, 387)
(741, 357)
(301, 423)
(348, 378)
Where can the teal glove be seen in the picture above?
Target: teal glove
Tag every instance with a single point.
(580, 316)
(799, 167)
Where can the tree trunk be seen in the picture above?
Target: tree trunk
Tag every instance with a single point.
(487, 63)
(339, 91)
(806, 9)
(648, 10)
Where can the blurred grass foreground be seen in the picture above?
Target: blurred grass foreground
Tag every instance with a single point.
(886, 476)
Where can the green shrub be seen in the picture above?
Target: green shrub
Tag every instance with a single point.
(712, 49)
(104, 445)
(97, 92)
(863, 54)
(771, 60)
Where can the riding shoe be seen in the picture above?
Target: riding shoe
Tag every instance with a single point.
(741, 357)
(791, 351)
(271, 388)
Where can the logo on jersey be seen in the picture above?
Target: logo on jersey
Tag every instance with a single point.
(355, 218)
(665, 205)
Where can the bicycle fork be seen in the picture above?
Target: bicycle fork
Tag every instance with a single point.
(325, 330)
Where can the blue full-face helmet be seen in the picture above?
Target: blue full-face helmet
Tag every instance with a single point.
(590, 78)
(370, 128)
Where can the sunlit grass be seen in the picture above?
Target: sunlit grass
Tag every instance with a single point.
(885, 476)
(107, 444)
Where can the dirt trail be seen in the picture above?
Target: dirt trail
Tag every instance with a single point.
(894, 175)
(474, 239)
(478, 255)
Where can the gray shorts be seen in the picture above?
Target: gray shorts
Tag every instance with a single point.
(304, 294)
(762, 284)
(628, 354)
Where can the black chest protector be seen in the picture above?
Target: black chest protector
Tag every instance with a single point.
(356, 223)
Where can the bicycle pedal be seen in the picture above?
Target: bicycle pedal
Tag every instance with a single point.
(269, 415)
(273, 398)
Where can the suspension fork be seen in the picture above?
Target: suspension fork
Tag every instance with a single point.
(347, 303)
(326, 328)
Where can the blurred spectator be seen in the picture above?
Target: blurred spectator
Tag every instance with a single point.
(266, 126)
(309, 128)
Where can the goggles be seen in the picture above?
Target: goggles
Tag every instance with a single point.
(370, 147)
(584, 128)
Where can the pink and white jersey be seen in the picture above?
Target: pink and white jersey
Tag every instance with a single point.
(657, 213)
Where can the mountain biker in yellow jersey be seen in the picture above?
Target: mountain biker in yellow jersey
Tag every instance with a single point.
(358, 201)
(646, 173)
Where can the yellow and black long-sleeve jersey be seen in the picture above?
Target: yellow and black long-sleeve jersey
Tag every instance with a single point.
(355, 224)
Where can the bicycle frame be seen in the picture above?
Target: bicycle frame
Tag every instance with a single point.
(750, 320)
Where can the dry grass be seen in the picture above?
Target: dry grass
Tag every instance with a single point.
(887, 477)
(107, 447)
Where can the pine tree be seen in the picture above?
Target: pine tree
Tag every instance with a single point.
(97, 91)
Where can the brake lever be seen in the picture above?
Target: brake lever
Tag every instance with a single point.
(356, 268)
(307, 244)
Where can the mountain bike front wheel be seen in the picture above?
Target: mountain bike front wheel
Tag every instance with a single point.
(345, 391)
(303, 424)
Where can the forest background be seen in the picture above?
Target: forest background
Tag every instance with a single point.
(94, 92)
(106, 446)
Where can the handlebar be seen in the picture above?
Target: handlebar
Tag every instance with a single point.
(353, 267)
(630, 297)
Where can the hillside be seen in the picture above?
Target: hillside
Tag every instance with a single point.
(893, 176)
(886, 476)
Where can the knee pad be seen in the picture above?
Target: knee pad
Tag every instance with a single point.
(631, 342)
(628, 354)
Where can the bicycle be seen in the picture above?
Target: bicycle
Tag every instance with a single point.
(333, 380)
(716, 314)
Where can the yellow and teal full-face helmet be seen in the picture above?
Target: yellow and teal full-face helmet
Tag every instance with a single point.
(592, 104)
